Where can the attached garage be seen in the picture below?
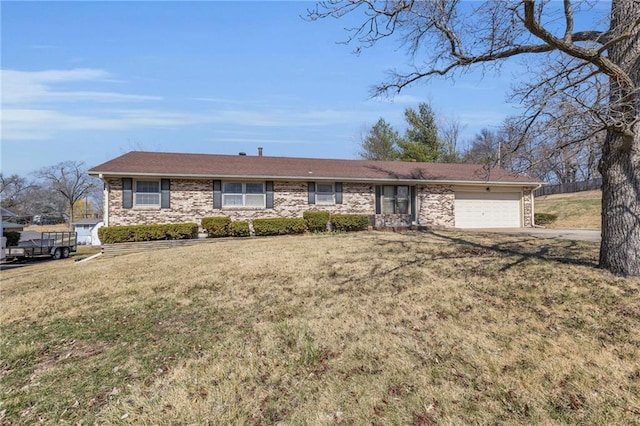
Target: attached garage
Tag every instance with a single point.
(487, 209)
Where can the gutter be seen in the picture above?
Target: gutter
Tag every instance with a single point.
(314, 178)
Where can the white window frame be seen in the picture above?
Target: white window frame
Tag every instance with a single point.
(136, 192)
(319, 200)
(244, 195)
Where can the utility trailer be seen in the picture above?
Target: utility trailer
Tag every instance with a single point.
(58, 245)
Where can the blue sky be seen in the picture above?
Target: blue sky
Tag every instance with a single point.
(88, 81)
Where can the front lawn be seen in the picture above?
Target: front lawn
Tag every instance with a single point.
(365, 328)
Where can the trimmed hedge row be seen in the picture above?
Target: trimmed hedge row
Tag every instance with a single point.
(316, 221)
(349, 222)
(279, 226)
(216, 226)
(134, 233)
(239, 229)
(223, 227)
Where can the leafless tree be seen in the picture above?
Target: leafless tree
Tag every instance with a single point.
(449, 131)
(545, 149)
(598, 69)
(41, 199)
(96, 196)
(12, 192)
(485, 148)
(70, 180)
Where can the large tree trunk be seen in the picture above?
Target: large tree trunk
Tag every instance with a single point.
(620, 164)
(620, 246)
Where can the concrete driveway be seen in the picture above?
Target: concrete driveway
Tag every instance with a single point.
(592, 235)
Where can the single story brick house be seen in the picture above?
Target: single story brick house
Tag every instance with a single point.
(160, 187)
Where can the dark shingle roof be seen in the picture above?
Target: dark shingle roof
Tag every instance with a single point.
(137, 163)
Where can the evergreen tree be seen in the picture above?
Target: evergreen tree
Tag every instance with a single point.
(380, 143)
(421, 142)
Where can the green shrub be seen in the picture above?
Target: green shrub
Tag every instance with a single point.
(239, 229)
(349, 222)
(279, 226)
(316, 221)
(116, 234)
(12, 238)
(216, 226)
(133, 233)
(544, 218)
(180, 231)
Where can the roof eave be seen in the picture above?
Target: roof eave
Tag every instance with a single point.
(102, 174)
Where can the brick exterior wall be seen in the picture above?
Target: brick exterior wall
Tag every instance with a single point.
(392, 221)
(435, 205)
(527, 207)
(192, 199)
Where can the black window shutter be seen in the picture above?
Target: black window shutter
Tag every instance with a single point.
(127, 193)
(165, 193)
(312, 192)
(269, 194)
(378, 201)
(217, 194)
(412, 201)
(338, 192)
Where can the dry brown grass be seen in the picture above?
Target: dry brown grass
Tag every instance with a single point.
(368, 328)
(577, 210)
(61, 227)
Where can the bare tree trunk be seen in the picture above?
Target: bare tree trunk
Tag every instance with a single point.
(620, 164)
(620, 246)
(71, 205)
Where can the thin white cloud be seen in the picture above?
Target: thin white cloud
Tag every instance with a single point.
(33, 87)
(220, 101)
(271, 101)
(264, 141)
(287, 117)
(40, 124)
(44, 105)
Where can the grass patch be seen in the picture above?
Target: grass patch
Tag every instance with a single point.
(60, 227)
(578, 210)
(375, 327)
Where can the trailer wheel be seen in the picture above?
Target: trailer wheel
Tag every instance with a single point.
(65, 252)
(57, 254)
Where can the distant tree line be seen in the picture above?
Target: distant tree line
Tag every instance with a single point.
(544, 149)
(62, 190)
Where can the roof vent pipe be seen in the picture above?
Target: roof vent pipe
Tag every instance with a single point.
(242, 153)
(259, 151)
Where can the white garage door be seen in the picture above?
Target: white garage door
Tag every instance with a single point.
(487, 210)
